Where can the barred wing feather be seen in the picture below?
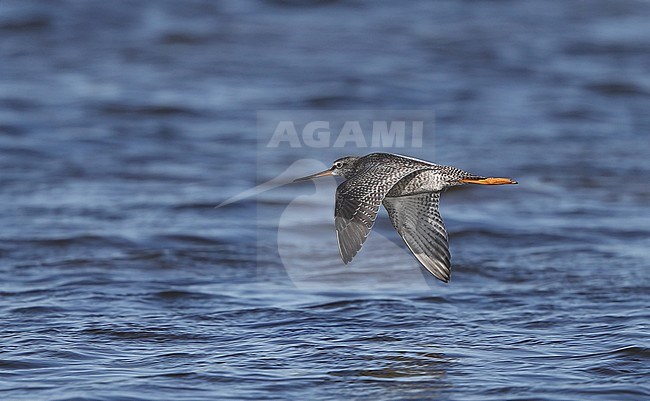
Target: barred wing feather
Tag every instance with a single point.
(418, 222)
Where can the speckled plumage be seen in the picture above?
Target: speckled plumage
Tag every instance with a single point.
(410, 191)
(417, 220)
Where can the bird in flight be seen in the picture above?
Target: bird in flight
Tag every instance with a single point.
(410, 191)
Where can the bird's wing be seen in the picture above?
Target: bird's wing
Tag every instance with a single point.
(417, 220)
(358, 200)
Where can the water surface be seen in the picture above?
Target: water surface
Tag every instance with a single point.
(122, 125)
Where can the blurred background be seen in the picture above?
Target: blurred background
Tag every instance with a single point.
(123, 123)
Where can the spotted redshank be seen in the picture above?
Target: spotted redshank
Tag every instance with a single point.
(410, 190)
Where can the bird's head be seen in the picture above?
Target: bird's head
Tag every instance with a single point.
(344, 167)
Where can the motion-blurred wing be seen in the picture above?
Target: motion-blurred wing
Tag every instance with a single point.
(358, 200)
(417, 220)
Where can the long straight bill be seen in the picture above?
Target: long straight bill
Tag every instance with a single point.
(309, 177)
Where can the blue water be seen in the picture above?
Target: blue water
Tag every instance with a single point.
(122, 125)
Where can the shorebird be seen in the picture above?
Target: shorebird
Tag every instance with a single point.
(410, 190)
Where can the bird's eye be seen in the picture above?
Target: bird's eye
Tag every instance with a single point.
(338, 164)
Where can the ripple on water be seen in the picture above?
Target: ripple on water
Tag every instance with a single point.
(122, 128)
